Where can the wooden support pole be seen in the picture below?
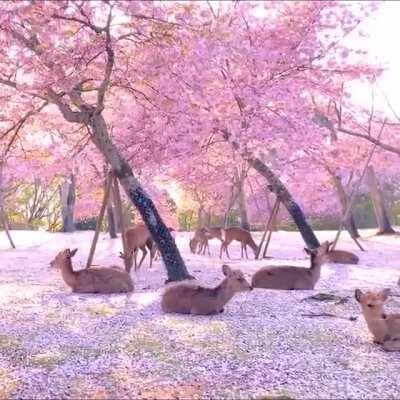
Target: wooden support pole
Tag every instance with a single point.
(271, 227)
(267, 227)
(107, 191)
(355, 190)
(6, 227)
(118, 206)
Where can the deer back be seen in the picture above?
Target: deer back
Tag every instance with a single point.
(342, 257)
(137, 236)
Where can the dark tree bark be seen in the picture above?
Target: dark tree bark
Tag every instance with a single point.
(381, 214)
(173, 261)
(350, 223)
(68, 197)
(276, 186)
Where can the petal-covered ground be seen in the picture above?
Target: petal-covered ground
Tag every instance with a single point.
(265, 345)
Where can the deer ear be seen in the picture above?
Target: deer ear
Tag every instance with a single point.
(358, 295)
(226, 269)
(385, 294)
(73, 252)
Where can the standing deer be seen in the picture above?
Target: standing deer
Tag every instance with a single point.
(200, 240)
(241, 235)
(214, 233)
(137, 238)
(92, 280)
(189, 298)
(293, 278)
(385, 328)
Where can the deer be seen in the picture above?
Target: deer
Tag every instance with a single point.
(92, 280)
(189, 298)
(241, 235)
(137, 238)
(385, 328)
(214, 233)
(200, 239)
(342, 256)
(293, 278)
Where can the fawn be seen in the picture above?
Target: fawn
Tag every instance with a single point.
(92, 280)
(384, 327)
(293, 278)
(189, 298)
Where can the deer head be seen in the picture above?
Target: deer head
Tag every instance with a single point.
(237, 281)
(372, 302)
(320, 254)
(62, 256)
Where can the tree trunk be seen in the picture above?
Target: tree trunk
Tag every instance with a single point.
(174, 264)
(381, 214)
(350, 222)
(277, 187)
(241, 199)
(201, 217)
(68, 196)
(111, 220)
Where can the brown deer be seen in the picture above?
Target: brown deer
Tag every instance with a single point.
(241, 235)
(293, 278)
(92, 280)
(385, 328)
(189, 298)
(214, 233)
(200, 241)
(137, 238)
(342, 256)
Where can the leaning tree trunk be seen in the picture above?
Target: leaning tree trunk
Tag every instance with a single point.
(67, 194)
(276, 186)
(174, 264)
(241, 199)
(350, 222)
(381, 214)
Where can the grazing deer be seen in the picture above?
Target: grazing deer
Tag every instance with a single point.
(92, 280)
(214, 233)
(293, 278)
(341, 256)
(242, 236)
(137, 238)
(189, 298)
(200, 240)
(384, 327)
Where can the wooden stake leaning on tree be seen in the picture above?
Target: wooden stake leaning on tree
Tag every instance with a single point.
(100, 219)
(268, 229)
(355, 191)
(118, 205)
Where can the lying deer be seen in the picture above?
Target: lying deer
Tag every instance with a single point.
(189, 298)
(384, 327)
(92, 280)
(200, 240)
(240, 235)
(293, 278)
(342, 256)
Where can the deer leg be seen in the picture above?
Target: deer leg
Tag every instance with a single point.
(245, 250)
(144, 254)
(221, 249)
(135, 257)
(208, 248)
